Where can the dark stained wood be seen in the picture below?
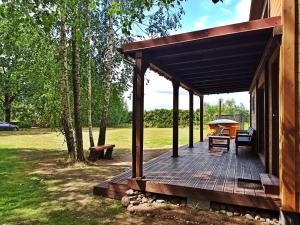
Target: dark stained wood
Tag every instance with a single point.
(202, 174)
(221, 65)
(203, 34)
(175, 118)
(169, 77)
(272, 44)
(191, 119)
(138, 116)
(201, 117)
(216, 48)
(203, 73)
(230, 52)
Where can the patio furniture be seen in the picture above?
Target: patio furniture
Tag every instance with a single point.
(101, 152)
(245, 138)
(219, 141)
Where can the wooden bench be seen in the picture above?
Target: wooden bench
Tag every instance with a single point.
(101, 152)
(222, 141)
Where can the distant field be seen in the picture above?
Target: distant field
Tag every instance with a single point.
(47, 139)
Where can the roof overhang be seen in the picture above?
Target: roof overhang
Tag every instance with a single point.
(217, 60)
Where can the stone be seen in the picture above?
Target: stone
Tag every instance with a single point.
(144, 200)
(147, 194)
(125, 201)
(150, 200)
(134, 202)
(141, 196)
(136, 192)
(262, 219)
(248, 216)
(148, 214)
(257, 217)
(229, 213)
(132, 198)
(222, 211)
(236, 213)
(131, 210)
(160, 201)
(222, 207)
(129, 192)
(183, 202)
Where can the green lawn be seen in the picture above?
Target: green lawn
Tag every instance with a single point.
(38, 187)
(46, 139)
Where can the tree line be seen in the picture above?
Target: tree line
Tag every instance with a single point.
(163, 118)
(59, 63)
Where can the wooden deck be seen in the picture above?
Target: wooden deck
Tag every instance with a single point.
(202, 174)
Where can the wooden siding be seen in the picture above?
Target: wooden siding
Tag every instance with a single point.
(298, 103)
(275, 7)
(289, 152)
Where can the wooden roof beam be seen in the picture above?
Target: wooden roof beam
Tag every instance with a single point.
(183, 84)
(220, 71)
(236, 75)
(203, 34)
(229, 64)
(209, 59)
(208, 50)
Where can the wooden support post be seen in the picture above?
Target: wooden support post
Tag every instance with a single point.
(288, 150)
(201, 118)
(138, 116)
(191, 130)
(175, 118)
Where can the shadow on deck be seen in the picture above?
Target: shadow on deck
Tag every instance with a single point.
(198, 173)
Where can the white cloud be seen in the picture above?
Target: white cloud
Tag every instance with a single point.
(159, 94)
(225, 10)
(200, 24)
(241, 10)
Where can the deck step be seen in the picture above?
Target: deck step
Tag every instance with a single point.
(270, 183)
(110, 190)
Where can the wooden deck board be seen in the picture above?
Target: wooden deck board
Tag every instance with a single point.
(204, 171)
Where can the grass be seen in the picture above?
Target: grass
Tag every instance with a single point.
(37, 187)
(47, 139)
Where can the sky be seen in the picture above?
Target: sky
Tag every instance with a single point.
(199, 15)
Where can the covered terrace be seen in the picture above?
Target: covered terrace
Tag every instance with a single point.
(218, 60)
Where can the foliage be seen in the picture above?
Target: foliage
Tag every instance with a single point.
(162, 118)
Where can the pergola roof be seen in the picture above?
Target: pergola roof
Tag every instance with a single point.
(217, 60)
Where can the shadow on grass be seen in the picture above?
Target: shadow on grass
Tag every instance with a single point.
(40, 187)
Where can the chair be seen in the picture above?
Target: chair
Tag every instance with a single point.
(245, 138)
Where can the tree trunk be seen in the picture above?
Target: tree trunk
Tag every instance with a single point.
(89, 73)
(107, 85)
(76, 86)
(7, 107)
(64, 87)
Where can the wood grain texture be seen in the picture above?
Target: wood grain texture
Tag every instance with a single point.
(287, 170)
(201, 174)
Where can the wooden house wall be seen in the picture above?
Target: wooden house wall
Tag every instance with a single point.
(298, 101)
(275, 7)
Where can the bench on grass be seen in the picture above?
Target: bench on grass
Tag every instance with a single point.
(101, 152)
